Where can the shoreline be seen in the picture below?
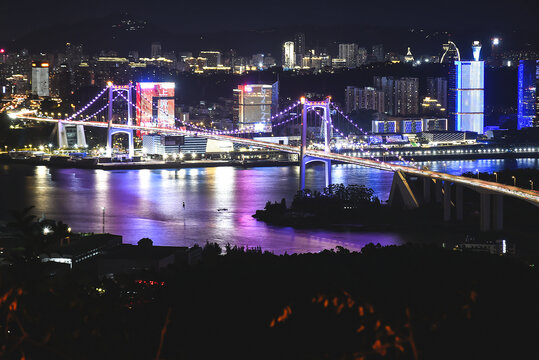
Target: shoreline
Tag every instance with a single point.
(82, 164)
(149, 165)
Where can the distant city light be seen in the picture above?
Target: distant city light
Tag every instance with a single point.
(496, 41)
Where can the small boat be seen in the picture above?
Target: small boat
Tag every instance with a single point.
(222, 209)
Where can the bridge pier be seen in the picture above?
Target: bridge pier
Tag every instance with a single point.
(308, 159)
(447, 201)
(131, 144)
(484, 212)
(62, 136)
(438, 191)
(426, 190)
(401, 192)
(498, 212)
(459, 202)
(491, 212)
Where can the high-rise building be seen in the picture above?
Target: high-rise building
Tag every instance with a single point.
(361, 56)
(437, 89)
(289, 55)
(528, 76)
(363, 98)
(213, 58)
(407, 96)
(156, 50)
(401, 95)
(386, 84)
(316, 61)
(495, 59)
(468, 93)
(378, 52)
(451, 53)
(348, 52)
(155, 104)
(73, 55)
(253, 107)
(40, 78)
(299, 46)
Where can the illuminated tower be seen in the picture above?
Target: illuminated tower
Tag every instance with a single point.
(155, 104)
(348, 52)
(299, 46)
(409, 57)
(469, 93)
(289, 55)
(253, 107)
(40, 78)
(527, 92)
(451, 53)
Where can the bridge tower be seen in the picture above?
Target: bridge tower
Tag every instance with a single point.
(326, 132)
(63, 138)
(112, 130)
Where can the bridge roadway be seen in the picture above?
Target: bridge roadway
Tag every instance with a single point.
(478, 185)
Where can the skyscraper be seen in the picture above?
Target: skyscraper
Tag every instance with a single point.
(348, 52)
(407, 96)
(155, 104)
(451, 53)
(253, 107)
(363, 98)
(361, 56)
(289, 55)
(528, 72)
(213, 58)
(495, 58)
(401, 95)
(468, 111)
(156, 50)
(437, 89)
(378, 52)
(299, 46)
(40, 78)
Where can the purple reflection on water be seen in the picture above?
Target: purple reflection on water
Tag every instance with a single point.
(148, 203)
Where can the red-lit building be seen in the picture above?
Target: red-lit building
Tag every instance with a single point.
(155, 104)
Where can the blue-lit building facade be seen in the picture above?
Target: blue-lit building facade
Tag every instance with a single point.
(469, 93)
(528, 75)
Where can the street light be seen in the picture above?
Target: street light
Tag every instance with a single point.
(514, 180)
(103, 208)
(531, 184)
(477, 170)
(496, 174)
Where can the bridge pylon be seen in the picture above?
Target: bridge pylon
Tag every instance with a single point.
(326, 131)
(63, 138)
(112, 130)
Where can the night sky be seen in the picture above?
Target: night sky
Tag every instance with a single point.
(210, 16)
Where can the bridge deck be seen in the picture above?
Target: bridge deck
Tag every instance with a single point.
(476, 184)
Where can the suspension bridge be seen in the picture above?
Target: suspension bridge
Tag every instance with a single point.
(327, 117)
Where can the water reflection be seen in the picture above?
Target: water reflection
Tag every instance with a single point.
(148, 203)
